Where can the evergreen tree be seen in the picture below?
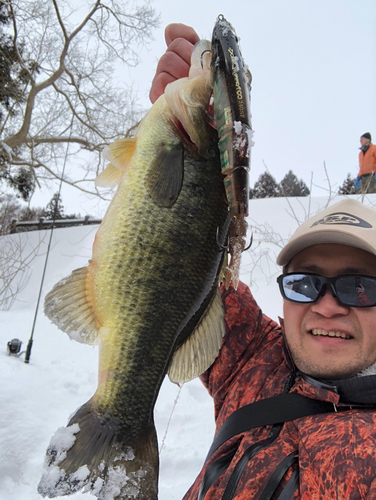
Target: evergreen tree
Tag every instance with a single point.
(10, 84)
(54, 209)
(13, 76)
(73, 216)
(265, 187)
(55, 206)
(348, 185)
(22, 182)
(290, 185)
(13, 80)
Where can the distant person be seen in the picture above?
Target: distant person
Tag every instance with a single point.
(366, 180)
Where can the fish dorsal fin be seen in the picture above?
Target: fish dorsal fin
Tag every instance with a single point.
(201, 348)
(165, 175)
(119, 154)
(67, 306)
(110, 177)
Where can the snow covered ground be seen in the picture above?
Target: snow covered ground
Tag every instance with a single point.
(39, 397)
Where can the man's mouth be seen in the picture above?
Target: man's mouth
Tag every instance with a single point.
(329, 333)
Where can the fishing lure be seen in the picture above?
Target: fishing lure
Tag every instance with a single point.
(231, 102)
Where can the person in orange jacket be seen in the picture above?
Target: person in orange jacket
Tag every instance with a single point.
(324, 350)
(366, 180)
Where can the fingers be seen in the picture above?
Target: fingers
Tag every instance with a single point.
(170, 68)
(159, 84)
(178, 30)
(175, 63)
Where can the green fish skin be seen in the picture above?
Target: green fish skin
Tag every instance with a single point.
(149, 296)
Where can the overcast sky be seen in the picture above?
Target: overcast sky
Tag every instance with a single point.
(314, 79)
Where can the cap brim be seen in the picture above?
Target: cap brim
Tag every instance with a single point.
(319, 237)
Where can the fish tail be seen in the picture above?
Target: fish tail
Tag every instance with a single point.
(92, 454)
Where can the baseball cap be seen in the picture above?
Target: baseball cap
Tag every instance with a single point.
(348, 222)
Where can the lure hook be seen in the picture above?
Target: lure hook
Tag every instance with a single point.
(250, 244)
(202, 57)
(220, 246)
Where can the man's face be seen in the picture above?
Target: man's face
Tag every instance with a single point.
(307, 325)
(364, 141)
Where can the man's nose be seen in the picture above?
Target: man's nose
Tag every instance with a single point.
(327, 305)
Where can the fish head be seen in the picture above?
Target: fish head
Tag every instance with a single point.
(188, 101)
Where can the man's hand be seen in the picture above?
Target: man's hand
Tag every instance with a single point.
(175, 62)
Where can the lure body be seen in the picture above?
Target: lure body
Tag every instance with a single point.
(231, 101)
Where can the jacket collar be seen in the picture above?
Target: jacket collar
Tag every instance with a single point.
(356, 390)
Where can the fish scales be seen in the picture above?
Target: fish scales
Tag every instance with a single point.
(151, 281)
(157, 315)
(152, 288)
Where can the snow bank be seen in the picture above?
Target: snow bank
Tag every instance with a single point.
(38, 398)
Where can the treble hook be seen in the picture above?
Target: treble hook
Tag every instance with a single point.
(205, 51)
(220, 246)
(250, 244)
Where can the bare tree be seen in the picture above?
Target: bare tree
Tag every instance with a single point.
(10, 209)
(73, 54)
(16, 256)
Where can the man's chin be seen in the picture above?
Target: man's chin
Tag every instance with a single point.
(331, 367)
(329, 372)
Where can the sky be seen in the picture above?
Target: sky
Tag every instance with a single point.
(313, 92)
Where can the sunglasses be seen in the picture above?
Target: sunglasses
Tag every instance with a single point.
(349, 290)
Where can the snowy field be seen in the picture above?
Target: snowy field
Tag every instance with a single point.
(39, 397)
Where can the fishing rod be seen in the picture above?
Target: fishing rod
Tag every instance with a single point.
(30, 343)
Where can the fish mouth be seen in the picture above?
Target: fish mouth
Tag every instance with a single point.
(178, 124)
(320, 332)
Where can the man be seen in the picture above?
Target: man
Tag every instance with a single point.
(366, 181)
(323, 350)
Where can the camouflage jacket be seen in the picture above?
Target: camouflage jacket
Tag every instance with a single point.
(330, 456)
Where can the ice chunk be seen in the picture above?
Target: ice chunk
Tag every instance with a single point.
(63, 439)
(237, 127)
(52, 483)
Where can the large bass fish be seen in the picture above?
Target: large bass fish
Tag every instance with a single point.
(149, 296)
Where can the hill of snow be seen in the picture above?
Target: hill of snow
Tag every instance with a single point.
(39, 397)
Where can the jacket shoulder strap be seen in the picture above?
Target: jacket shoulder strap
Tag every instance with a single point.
(270, 411)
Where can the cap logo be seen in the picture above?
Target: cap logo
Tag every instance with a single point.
(343, 219)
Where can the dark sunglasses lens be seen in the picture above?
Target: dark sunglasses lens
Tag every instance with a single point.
(301, 287)
(356, 291)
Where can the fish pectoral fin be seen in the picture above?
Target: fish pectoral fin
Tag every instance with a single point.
(165, 175)
(110, 177)
(119, 154)
(67, 306)
(201, 348)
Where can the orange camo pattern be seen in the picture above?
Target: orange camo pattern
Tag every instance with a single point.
(337, 451)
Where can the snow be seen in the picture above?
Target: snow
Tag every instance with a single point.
(238, 127)
(62, 441)
(38, 398)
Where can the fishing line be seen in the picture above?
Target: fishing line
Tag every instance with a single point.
(30, 343)
(169, 420)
